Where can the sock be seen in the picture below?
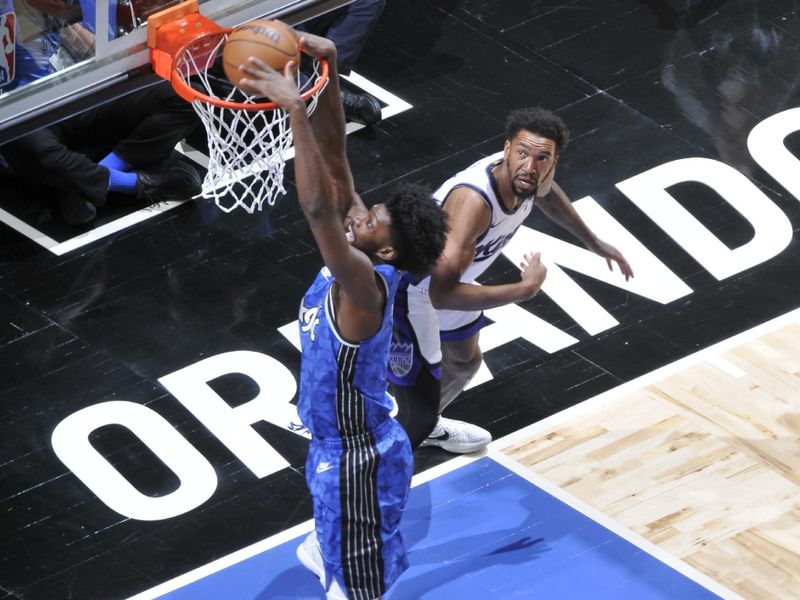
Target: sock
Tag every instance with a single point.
(113, 161)
(119, 181)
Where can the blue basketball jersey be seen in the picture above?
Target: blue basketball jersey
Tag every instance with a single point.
(359, 463)
(342, 384)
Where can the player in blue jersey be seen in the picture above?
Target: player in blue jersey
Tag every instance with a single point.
(360, 462)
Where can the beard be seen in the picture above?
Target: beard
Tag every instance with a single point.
(524, 193)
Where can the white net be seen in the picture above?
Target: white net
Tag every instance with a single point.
(247, 149)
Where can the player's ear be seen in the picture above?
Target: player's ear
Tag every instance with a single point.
(506, 149)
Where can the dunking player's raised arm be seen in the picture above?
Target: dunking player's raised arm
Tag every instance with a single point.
(328, 123)
(321, 195)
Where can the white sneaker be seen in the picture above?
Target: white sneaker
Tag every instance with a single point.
(457, 436)
(310, 555)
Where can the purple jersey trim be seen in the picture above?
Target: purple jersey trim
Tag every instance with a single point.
(465, 331)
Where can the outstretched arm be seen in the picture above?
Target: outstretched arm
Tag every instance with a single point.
(328, 123)
(469, 218)
(558, 208)
(317, 192)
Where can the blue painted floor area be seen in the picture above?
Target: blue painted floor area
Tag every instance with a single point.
(479, 532)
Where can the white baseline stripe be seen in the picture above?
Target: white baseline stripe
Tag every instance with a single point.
(26, 230)
(99, 233)
(710, 354)
(59, 248)
(225, 561)
(394, 105)
(282, 537)
(726, 367)
(614, 526)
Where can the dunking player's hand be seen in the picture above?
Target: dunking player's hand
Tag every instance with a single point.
(265, 81)
(316, 46)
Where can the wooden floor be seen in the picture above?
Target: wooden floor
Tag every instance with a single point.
(704, 463)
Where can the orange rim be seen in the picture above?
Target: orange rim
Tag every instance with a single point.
(188, 92)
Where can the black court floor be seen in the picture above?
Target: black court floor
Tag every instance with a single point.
(135, 346)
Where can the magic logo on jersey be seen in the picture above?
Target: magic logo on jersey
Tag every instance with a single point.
(8, 46)
(309, 315)
(309, 318)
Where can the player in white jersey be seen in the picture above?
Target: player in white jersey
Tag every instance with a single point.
(435, 351)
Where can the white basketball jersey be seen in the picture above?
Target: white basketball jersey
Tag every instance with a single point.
(504, 223)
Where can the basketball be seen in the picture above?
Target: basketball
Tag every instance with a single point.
(272, 42)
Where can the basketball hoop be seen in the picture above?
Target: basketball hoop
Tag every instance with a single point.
(248, 140)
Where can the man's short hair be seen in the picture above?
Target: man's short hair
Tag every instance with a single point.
(540, 121)
(419, 229)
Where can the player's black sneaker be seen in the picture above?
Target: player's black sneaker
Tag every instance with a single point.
(75, 209)
(178, 180)
(361, 108)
